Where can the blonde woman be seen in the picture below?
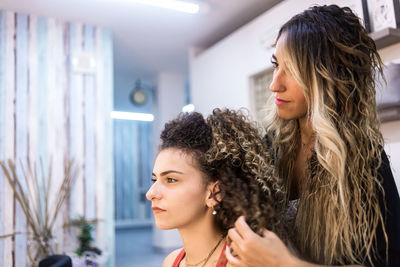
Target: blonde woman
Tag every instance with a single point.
(323, 132)
(209, 172)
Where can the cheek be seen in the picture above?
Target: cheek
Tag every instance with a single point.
(183, 208)
(300, 99)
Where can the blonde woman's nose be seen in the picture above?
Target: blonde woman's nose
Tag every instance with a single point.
(277, 84)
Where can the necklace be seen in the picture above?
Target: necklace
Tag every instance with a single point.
(204, 261)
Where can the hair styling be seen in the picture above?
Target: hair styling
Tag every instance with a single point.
(228, 149)
(331, 56)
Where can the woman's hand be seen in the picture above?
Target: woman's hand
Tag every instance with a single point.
(253, 250)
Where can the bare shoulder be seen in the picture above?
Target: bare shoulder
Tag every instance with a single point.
(169, 260)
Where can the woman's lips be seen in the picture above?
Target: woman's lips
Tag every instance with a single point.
(279, 101)
(157, 209)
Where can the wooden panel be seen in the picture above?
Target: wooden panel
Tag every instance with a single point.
(76, 124)
(42, 91)
(90, 133)
(21, 113)
(108, 151)
(51, 114)
(2, 125)
(9, 133)
(65, 83)
(100, 137)
(32, 100)
(55, 130)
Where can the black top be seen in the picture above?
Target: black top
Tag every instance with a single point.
(391, 217)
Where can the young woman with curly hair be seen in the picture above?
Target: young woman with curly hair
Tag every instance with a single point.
(208, 173)
(323, 133)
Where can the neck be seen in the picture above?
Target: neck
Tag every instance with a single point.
(306, 131)
(199, 239)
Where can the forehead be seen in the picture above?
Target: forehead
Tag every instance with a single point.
(281, 48)
(176, 159)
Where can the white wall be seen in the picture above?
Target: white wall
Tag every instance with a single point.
(220, 75)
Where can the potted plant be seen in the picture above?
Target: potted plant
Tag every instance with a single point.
(89, 255)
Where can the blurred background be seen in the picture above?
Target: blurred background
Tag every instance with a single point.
(94, 81)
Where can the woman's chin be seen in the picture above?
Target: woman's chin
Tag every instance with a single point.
(162, 226)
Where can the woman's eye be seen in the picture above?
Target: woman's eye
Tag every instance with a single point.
(153, 180)
(171, 180)
(274, 64)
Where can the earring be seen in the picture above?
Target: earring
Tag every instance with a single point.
(214, 212)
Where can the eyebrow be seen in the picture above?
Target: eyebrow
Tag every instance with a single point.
(167, 172)
(274, 57)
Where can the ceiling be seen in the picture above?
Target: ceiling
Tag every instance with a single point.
(148, 40)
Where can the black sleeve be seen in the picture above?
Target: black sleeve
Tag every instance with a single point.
(390, 206)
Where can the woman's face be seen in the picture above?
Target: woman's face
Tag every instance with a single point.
(178, 194)
(289, 97)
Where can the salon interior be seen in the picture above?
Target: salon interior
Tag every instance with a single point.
(86, 87)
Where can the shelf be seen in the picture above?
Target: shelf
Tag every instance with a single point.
(389, 113)
(386, 37)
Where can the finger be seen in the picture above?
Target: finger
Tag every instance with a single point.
(234, 250)
(231, 259)
(234, 236)
(243, 228)
(268, 234)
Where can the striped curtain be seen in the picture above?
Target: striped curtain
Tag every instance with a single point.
(50, 112)
(133, 163)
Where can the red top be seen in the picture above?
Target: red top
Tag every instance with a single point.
(222, 261)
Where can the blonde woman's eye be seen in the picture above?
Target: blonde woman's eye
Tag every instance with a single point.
(171, 180)
(274, 64)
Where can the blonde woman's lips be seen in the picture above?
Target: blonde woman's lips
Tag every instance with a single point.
(279, 101)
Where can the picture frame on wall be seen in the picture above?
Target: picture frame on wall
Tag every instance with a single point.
(383, 14)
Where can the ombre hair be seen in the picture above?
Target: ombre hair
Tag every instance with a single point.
(331, 56)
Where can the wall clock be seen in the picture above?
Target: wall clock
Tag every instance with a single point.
(138, 96)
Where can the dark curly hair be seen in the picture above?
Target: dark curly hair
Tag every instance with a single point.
(227, 148)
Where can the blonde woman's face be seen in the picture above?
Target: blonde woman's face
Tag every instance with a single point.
(289, 97)
(178, 194)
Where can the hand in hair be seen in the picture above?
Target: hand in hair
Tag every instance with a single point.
(257, 251)
(252, 250)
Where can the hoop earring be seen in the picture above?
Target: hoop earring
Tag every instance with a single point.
(214, 212)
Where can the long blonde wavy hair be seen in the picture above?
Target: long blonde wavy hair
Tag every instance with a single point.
(331, 56)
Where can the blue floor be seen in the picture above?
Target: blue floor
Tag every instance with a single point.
(134, 248)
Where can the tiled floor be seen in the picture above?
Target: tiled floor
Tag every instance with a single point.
(134, 248)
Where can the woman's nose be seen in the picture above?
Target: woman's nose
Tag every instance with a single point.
(277, 83)
(153, 192)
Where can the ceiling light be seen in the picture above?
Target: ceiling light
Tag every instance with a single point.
(178, 5)
(188, 108)
(132, 116)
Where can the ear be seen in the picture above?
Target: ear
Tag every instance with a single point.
(213, 194)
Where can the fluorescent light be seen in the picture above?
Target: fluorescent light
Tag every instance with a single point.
(178, 5)
(132, 116)
(188, 108)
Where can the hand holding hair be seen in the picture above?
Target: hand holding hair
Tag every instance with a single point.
(252, 250)
(257, 251)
